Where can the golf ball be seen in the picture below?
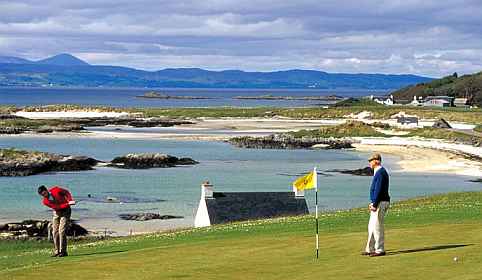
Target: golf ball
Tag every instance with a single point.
(456, 259)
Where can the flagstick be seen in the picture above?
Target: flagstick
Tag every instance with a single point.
(315, 178)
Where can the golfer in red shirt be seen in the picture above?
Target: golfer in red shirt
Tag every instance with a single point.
(59, 200)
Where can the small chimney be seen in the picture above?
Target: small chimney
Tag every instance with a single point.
(299, 193)
(206, 190)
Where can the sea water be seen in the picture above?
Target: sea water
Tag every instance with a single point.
(176, 191)
(127, 97)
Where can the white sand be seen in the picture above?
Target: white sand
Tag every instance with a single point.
(426, 156)
(70, 114)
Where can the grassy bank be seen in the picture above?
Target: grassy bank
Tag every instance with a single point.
(360, 129)
(478, 128)
(438, 133)
(348, 129)
(422, 238)
(379, 112)
(15, 154)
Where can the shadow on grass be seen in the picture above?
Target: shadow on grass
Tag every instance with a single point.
(98, 253)
(431, 248)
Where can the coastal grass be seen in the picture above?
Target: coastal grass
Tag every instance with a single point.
(478, 128)
(446, 134)
(423, 236)
(32, 124)
(379, 112)
(16, 154)
(472, 115)
(361, 129)
(348, 129)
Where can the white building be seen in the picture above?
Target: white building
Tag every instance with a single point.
(226, 207)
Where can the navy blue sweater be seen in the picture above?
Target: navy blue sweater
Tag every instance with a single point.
(379, 187)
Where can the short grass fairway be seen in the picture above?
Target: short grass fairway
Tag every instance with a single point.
(438, 237)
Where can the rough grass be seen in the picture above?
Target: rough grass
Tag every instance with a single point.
(348, 129)
(381, 112)
(438, 133)
(422, 238)
(478, 128)
(360, 129)
(32, 124)
(15, 154)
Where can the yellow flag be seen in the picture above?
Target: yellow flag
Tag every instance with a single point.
(304, 183)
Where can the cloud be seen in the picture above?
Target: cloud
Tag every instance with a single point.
(433, 38)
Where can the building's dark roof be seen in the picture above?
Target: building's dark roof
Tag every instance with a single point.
(241, 206)
(440, 97)
(441, 124)
(404, 119)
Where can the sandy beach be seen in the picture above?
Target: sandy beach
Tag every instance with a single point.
(426, 160)
(416, 155)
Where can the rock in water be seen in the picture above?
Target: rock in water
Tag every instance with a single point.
(144, 161)
(367, 171)
(36, 228)
(147, 216)
(24, 163)
(285, 141)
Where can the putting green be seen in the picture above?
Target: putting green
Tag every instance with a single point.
(423, 236)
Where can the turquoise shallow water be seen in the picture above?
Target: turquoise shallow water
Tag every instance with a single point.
(227, 167)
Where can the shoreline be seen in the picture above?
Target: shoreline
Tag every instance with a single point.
(413, 155)
(416, 154)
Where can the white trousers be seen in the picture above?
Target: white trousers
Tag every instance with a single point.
(376, 230)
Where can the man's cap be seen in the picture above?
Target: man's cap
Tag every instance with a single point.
(375, 156)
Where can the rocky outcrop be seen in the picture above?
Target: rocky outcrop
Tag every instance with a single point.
(286, 141)
(135, 122)
(11, 130)
(147, 216)
(60, 128)
(36, 228)
(367, 171)
(79, 124)
(148, 160)
(23, 163)
(157, 95)
(10, 117)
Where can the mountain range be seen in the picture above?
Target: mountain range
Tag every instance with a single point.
(68, 70)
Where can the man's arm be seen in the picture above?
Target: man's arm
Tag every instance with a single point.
(68, 198)
(377, 187)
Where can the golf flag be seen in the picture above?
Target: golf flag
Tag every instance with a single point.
(306, 182)
(310, 181)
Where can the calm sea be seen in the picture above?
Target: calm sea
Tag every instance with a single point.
(127, 97)
(176, 191)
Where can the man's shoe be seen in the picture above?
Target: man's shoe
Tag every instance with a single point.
(55, 255)
(377, 254)
(63, 254)
(365, 254)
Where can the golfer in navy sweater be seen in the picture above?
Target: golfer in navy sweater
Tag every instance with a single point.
(380, 201)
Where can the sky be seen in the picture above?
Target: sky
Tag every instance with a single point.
(425, 37)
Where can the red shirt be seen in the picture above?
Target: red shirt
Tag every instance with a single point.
(58, 199)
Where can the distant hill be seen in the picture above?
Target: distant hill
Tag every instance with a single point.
(12, 59)
(467, 86)
(63, 60)
(67, 70)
